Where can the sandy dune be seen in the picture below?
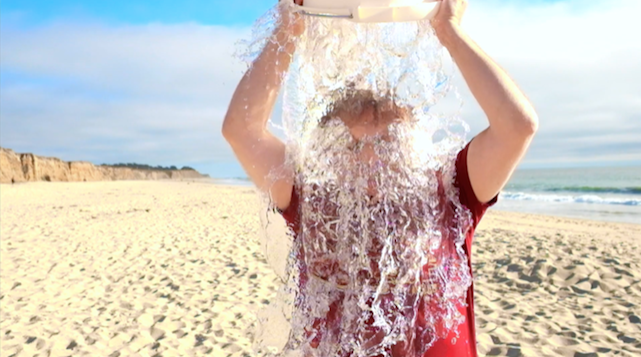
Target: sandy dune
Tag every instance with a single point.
(137, 268)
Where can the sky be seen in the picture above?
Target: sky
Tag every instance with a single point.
(149, 81)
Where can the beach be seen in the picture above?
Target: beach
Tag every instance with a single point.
(169, 268)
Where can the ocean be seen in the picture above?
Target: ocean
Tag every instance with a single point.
(605, 194)
(608, 194)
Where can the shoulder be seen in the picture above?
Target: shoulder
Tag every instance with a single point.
(467, 196)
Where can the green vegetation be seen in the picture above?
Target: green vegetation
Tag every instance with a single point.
(147, 167)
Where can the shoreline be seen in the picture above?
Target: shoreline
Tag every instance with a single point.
(588, 211)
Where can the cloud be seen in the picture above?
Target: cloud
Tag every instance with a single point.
(158, 93)
(578, 64)
(186, 61)
(154, 94)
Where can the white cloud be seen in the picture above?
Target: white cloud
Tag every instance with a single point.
(577, 61)
(158, 93)
(180, 60)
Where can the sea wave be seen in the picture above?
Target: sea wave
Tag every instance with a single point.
(234, 181)
(523, 196)
(597, 189)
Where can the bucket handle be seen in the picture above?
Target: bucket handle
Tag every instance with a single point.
(319, 14)
(344, 13)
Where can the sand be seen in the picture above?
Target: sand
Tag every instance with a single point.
(142, 268)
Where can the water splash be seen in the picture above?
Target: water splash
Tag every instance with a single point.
(376, 267)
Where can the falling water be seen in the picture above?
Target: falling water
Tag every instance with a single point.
(377, 266)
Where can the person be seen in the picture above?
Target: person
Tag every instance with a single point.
(483, 166)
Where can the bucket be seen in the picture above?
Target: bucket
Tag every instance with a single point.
(371, 10)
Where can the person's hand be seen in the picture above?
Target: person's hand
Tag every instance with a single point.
(450, 13)
(291, 23)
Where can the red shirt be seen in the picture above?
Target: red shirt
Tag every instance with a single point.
(465, 344)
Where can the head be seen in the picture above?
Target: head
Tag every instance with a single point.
(364, 112)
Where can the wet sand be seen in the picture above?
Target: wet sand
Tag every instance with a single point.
(145, 268)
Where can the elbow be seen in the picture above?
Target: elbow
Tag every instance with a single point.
(528, 124)
(225, 131)
(532, 124)
(228, 128)
(234, 130)
(521, 127)
(528, 128)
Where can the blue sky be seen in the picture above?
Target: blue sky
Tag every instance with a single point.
(149, 81)
(213, 12)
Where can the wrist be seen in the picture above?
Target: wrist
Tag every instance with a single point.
(285, 40)
(447, 32)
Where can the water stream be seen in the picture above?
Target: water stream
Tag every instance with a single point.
(376, 266)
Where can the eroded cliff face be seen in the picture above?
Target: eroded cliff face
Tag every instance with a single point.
(29, 167)
(10, 166)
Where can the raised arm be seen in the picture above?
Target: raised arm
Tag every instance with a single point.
(245, 126)
(495, 152)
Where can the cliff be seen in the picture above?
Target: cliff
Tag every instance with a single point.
(29, 167)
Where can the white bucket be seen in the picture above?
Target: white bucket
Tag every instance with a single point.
(371, 10)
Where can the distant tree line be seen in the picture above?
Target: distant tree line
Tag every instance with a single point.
(147, 167)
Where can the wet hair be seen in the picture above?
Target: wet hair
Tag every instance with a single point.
(353, 102)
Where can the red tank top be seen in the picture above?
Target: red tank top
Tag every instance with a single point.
(465, 344)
